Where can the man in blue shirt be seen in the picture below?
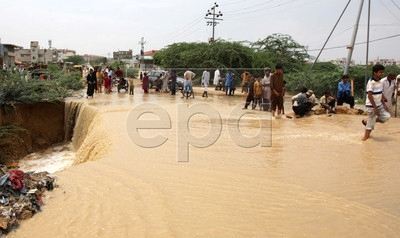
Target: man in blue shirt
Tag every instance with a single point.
(229, 83)
(344, 92)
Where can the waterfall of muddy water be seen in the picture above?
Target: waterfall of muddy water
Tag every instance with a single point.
(317, 180)
(72, 110)
(85, 126)
(82, 127)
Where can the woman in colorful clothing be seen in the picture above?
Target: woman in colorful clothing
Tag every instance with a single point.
(107, 83)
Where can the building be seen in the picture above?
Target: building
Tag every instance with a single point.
(63, 54)
(342, 62)
(8, 54)
(385, 62)
(92, 59)
(123, 55)
(35, 55)
(148, 58)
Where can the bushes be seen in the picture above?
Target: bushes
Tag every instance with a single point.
(71, 81)
(132, 73)
(318, 81)
(14, 89)
(326, 76)
(17, 90)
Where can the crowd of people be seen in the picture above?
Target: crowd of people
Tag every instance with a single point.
(99, 78)
(267, 92)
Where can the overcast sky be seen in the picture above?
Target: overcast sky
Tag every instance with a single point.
(101, 27)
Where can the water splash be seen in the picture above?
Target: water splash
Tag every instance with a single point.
(52, 160)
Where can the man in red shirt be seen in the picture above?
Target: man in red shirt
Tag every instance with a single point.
(277, 90)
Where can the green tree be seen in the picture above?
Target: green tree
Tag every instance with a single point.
(99, 61)
(281, 48)
(117, 64)
(220, 54)
(75, 59)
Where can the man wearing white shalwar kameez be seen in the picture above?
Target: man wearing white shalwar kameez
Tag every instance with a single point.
(389, 87)
(205, 81)
(217, 77)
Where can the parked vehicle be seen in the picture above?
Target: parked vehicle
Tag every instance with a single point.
(179, 84)
(153, 76)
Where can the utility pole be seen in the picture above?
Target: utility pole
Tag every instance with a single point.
(367, 53)
(142, 43)
(213, 18)
(353, 39)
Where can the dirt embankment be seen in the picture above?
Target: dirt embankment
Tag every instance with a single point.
(26, 128)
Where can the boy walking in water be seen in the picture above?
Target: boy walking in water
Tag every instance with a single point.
(375, 102)
(131, 86)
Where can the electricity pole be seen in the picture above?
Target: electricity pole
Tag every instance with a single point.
(142, 43)
(213, 18)
(353, 39)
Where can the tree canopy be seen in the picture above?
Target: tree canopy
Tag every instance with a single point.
(267, 52)
(276, 48)
(280, 48)
(75, 59)
(220, 54)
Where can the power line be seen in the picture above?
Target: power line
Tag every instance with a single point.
(177, 33)
(359, 43)
(368, 33)
(191, 33)
(251, 7)
(391, 13)
(394, 3)
(238, 14)
(330, 34)
(234, 18)
(232, 3)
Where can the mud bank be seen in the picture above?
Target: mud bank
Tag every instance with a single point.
(28, 128)
(35, 127)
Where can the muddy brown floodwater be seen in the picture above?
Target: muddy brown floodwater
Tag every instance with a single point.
(317, 180)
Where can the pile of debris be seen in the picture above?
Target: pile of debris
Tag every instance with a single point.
(21, 195)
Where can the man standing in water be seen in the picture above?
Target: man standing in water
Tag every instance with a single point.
(266, 84)
(277, 90)
(375, 102)
(187, 85)
(229, 83)
(217, 76)
(205, 81)
(173, 82)
(99, 77)
(250, 95)
(389, 86)
(245, 81)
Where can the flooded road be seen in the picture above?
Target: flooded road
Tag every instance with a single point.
(316, 180)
